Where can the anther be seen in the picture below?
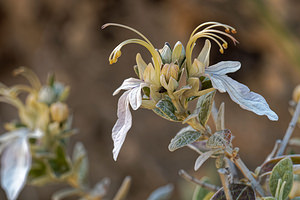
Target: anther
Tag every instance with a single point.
(225, 45)
(227, 30)
(233, 31)
(221, 51)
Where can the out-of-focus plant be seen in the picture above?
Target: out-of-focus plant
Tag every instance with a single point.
(171, 81)
(33, 151)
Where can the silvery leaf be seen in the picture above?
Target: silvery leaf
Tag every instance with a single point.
(242, 95)
(135, 96)
(202, 158)
(128, 84)
(122, 125)
(162, 193)
(15, 165)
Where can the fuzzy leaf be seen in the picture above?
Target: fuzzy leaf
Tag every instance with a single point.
(220, 139)
(284, 171)
(166, 109)
(162, 193)
(81, 164)
(101, 188)
(202, 158)
(60, 164)
(238, 92)
(184, 137)
(238, 191)
(204, 105)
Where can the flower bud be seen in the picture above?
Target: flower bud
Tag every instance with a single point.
(296, 94)
(178, 53)
(166, 53)
(46, 95)
(170, 70)
(59, 111)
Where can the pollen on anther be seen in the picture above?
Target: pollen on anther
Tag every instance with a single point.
(227, 30)
(233, 31)
(225, 45)
(221, 51)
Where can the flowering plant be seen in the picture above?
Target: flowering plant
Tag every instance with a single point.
(171, 81)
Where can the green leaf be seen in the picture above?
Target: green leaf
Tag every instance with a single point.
(184, 137)
(59, 164)
(166, 109)
(162, 193)
(284, 171)
(238, 191)
(204, 106)
(200, 192)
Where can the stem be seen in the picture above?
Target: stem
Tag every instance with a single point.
(246, 172)
(192, 179)
(224, 179)
(289, 130)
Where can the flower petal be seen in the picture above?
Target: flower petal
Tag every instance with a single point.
(15, 165)
(141, 65)
(135, 96)
(242, 95)
(128, 84)
(224, 67)
(204, 54)
(122, 125)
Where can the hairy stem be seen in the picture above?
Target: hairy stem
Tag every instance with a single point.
(289, 130)
(246, 172)
(224, 179)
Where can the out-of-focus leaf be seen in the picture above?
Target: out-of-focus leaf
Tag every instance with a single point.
(296, 198)
(61, 194)
(15, 165)
(184, 137)
(123, 190)
(38, 172)
(238, 191)
(60, 164)
(283, 170)
(202, 158)
(162, 193)
(100, 188)
(269, 165)
(294, 141)
(81, 164)
(200, 193)
(166, 109)
(220, 139)
(269, 198)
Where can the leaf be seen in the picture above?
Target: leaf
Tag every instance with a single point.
(162, 193)
(200, 193)
(166, 109)
(184, 137)
(123, 190)
(38, 172)
(238, 92)
(284, 171)
(204, 105)
(238, 192)
(101, 188)
(60, 164)
(61, 194)
(202, 158)
(220, 123)
(15, 165)
(220, 139)
(269, 165)
(80, 166)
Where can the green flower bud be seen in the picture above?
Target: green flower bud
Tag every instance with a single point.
(166, 53)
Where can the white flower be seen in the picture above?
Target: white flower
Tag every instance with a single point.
(132, 96)
(15, 160)
(238, 92)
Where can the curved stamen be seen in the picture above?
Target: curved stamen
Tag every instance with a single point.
(222, 33)
(215, 24)
(30, 76)
(129, 28)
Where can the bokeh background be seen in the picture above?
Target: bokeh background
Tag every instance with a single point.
(65, 37)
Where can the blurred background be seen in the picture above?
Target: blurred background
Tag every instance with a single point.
(65, 37)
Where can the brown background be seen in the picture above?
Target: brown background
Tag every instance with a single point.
(64, 36)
